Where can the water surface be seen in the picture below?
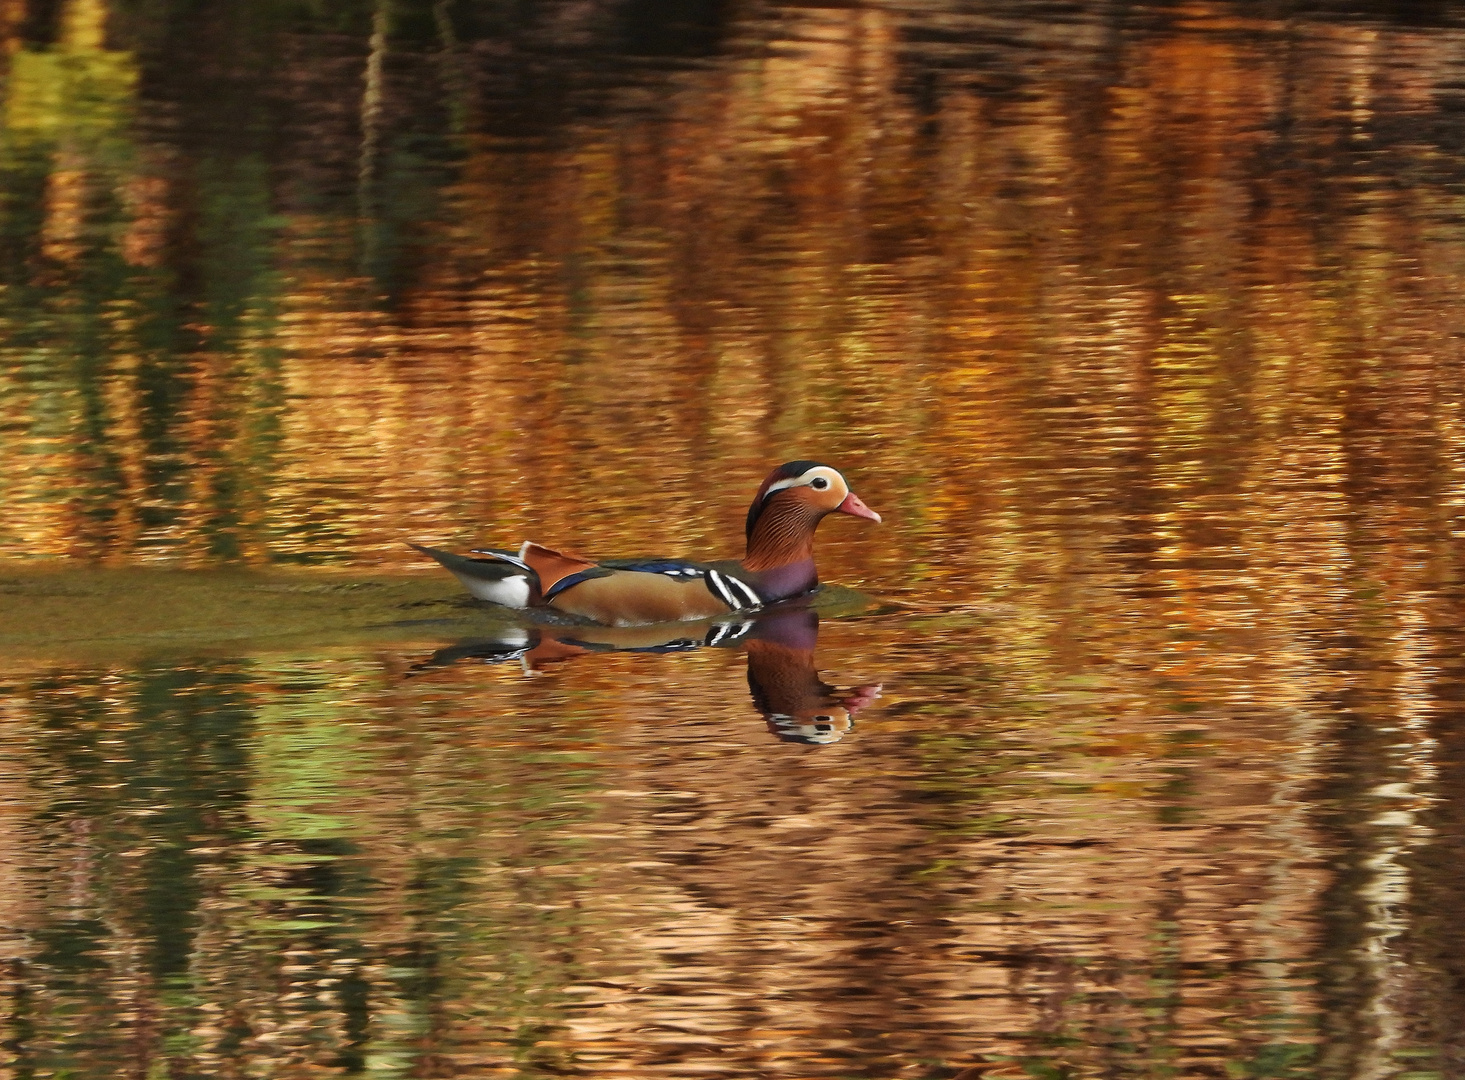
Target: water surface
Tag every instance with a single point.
(1138, 324)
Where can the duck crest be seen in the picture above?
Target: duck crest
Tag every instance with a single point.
(785, 472)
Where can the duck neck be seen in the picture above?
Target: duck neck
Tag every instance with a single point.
(781, 549)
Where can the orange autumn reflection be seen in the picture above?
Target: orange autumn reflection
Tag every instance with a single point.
(1139, 326)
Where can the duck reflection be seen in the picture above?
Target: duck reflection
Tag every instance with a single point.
(798, 705)
(786, 688)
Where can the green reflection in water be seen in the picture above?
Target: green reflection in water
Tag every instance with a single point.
(1141, 326)
(316, 859)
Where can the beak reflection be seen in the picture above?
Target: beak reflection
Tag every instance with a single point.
(785, 685)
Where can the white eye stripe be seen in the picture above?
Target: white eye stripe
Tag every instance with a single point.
(804, 478)
(790, 482)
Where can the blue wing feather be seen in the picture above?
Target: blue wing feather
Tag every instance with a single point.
(671, 567)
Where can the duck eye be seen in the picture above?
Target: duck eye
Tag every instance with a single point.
(818, 483)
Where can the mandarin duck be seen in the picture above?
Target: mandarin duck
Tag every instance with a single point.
(778, 563)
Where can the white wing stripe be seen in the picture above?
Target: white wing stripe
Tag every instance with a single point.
(719, 584)
(752, 598)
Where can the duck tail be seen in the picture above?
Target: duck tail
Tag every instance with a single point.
(501, 577)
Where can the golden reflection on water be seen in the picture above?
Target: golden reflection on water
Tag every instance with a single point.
(1139, 328)
(589, 869)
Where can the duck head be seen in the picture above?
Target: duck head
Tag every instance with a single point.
(788, 508)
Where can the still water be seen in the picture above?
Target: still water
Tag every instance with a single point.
(1128, 746)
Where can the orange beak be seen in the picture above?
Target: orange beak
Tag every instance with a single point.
(855, 508)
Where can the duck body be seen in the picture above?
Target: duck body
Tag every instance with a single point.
(615, 592)
(778, 563)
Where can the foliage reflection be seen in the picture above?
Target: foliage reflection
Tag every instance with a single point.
(1142, 320)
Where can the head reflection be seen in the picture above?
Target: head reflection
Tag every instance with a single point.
(799, 706)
